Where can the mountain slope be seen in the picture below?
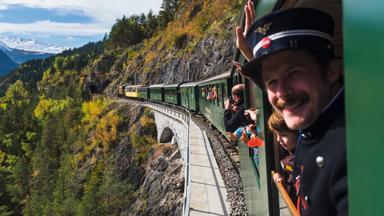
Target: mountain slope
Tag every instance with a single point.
(6, 63)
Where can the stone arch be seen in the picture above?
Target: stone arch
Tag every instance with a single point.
(166, 135)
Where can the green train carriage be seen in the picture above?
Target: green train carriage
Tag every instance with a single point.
(172, 93)
(156, 92)
(189, 96)
(144, 92)
(213, 109)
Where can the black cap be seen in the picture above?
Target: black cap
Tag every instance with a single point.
(296, 28)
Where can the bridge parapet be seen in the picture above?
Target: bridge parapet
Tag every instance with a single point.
(179, 123)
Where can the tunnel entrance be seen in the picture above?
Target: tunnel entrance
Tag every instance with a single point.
(93, 89)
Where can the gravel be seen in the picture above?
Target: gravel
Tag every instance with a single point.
(226, 155)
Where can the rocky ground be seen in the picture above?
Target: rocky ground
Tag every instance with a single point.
(162, 190)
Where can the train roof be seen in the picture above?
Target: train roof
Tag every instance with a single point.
(132, 86)
(217, 77)
(189, 84)
(172, 85)
(157, 85)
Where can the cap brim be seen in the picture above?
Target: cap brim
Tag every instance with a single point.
(252, 71)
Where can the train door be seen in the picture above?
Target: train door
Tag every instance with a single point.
(363, 35)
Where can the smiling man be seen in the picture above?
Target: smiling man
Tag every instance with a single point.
(294, 62)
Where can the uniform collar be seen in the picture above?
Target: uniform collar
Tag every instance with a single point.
(329, 115)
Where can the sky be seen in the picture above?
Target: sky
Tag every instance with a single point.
(67, 23)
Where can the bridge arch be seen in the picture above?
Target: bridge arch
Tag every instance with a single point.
(171, 130)
(166, 135)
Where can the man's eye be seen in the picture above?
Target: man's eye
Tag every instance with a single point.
(294, 75)
(271, 84)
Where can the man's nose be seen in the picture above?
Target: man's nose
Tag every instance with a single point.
(282, 89)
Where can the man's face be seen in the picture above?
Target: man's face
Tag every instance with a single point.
(296, 86)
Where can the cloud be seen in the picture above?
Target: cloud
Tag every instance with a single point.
(101, 15)
(105, 12)
(54, 28)
(71, 38)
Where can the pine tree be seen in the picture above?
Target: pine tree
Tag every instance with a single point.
(91, 203)
(167, 12)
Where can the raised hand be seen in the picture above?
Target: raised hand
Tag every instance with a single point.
(241, 42)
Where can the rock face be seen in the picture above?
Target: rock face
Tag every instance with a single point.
(212, 55)
(162, 190)
(157, 181)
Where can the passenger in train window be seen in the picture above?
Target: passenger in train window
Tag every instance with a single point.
(287, 139)
(203, 93)
(248, 135)
(212, 94)
(234, 110)
(209, 94)
(294, 62)
(247, 130)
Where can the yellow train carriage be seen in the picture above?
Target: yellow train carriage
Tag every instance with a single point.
(132, 91)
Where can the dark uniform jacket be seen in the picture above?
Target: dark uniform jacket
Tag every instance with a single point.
(234, 120)
(320, 164)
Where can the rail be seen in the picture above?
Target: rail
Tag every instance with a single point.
(286, 197)
(185, 118)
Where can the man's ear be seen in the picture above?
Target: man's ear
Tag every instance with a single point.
(334, 71)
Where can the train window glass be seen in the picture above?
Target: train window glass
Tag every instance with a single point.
(203, 93)
(219, 99)
(221, 94)
(215, 94)
(208, 94)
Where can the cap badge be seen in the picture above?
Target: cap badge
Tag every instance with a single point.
(263, 29)
(266, 42)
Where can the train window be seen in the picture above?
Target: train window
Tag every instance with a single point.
(216, 95)
(223, 94)
(219, 99)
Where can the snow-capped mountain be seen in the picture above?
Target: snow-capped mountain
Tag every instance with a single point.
(30, 45)
(20, 56)
(15, 51)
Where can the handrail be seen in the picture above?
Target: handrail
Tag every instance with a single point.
(286, 197)
(187, 178)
